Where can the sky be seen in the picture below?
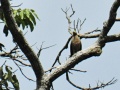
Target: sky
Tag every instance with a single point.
(53, 29)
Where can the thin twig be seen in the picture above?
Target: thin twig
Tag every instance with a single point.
(67, 77)
(33, 44)
(68, 18)
(102, 85)
(77, 70)
(22, 72)
(50, 69)
(88, 36)
(77, 24)
(17, 5)
(72, 11)
(21, 62)
(3, 63)
(74, 25)
(65, 47)
(79, 28)
(96, 30)
(39, 52)
(117, 19)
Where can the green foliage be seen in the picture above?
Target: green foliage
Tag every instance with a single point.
(1, 47)
(8, 77)
(24, 17)
(5, 30)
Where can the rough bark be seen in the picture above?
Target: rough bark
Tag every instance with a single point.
(44, 81)
(94, 50)
(21, 41)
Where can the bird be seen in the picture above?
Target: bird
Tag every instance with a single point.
(75, 45)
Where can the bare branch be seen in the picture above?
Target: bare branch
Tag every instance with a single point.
(74, 25)
(73, 12)
(3, 64)
(117, 19)
(33, 44)
(77, 24)
(79, 28)
(21, 62)
(96, 30)
(22, 72)
(68, 18)
(77, 70)
(102, 85)
(13, 54)
(39, 52)
(109, 23)
(67, 77)
(17, 5)
(50, 69)
(65, 47)
(93, 50)
(88, 36)
(112, 38)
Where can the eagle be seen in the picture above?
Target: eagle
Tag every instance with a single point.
(75, 45)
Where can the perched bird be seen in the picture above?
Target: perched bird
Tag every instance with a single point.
(75, 45)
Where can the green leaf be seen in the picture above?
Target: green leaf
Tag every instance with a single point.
(6, 84)
(25, 18)
(1, 72)
(5, 30)
(32, 18)
(15, 82)
(31, 25)
(23, 24)
(8, 77)
(26, 23)
(18, 20)
(33, 12)
(5, 77)
(29, 16)
(27, 12)
(1, 46)
(15, 13)
(22, 14)
(8, 69)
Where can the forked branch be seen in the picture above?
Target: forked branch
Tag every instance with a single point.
(101, 85)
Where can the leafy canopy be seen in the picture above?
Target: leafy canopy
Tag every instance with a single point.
(24, 17)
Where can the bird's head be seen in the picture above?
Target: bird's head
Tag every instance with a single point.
(74, 33)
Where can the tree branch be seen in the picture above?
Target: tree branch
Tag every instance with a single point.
(112, 38)
(78, 57)
(68, 18)
(41, 48)
(22, 43)
(22, 72)
(109, 23)
(65, 47)
(93, 50)
(88, 36)
(101, 85)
